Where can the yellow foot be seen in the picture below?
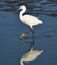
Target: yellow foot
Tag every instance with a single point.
(23, 35)
(23, 40)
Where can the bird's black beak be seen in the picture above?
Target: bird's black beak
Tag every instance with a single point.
(19, 10)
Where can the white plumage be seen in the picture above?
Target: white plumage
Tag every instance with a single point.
(30, 56)
(28, 19)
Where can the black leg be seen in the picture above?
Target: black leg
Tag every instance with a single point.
(32, 43)
(24, 34)
(33, 37)
(28, 32)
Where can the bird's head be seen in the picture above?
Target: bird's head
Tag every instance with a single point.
(22, 7)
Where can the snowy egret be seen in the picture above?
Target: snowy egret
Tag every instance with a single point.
(28, 20)
(30, 56)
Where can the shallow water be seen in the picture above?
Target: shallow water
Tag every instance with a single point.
(11, 48)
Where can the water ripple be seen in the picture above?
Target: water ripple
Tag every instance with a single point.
(36, 7)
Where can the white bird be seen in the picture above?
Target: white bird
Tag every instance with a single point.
(28, 19)
(30, 56)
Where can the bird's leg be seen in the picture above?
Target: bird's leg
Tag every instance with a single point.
(28, 32)
(32, 43)
(24, 34)
(33, 37)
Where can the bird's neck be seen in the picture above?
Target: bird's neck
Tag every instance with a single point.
(31, 47)
(22, 12)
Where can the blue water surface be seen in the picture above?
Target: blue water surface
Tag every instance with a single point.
(11, 48)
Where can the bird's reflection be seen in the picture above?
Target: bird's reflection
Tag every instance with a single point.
(30, 55)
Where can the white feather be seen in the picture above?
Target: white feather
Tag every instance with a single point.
(29, 19)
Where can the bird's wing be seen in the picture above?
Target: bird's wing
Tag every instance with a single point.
(30, 19)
